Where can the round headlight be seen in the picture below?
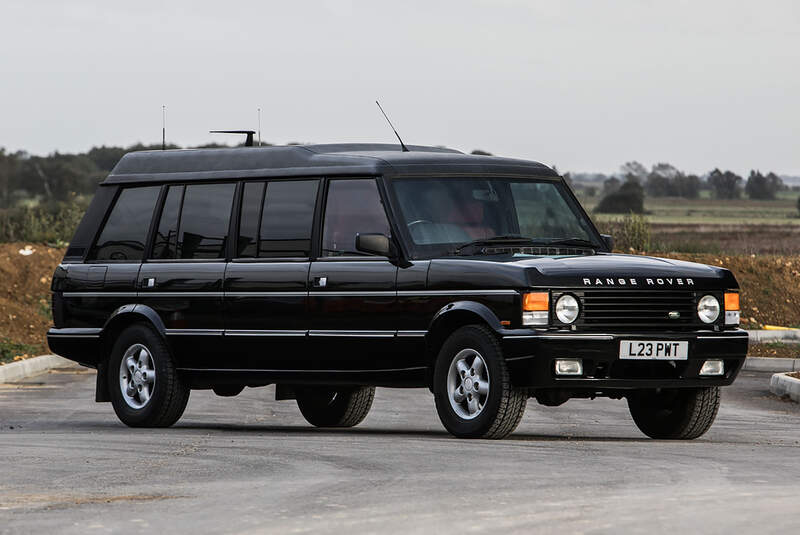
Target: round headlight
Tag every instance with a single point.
(708, 309)
(567, 309)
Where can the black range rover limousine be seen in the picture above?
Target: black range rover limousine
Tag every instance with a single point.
(329, 270)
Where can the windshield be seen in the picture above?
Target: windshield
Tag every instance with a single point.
(448, 212)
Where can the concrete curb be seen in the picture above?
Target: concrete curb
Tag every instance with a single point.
(762, 336)
(782, 385)
(767, 364)
(22, 369)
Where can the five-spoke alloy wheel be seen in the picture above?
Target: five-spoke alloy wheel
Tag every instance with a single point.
(468, 383)
(137, 376)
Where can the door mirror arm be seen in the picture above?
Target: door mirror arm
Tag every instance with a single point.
(381, 245)
(608, 240)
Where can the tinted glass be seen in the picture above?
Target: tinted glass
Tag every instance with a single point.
(125, 232)
(543, 211)
(252, 199)
(287, 218)
(353, 206)
(165, 244)
(453, 211)
(204, 220)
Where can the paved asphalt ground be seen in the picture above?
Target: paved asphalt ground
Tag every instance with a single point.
(249, 464)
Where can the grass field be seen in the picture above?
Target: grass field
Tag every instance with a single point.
(706, 225)
(670, 210)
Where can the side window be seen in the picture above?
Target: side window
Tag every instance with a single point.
(165, 244)
(279, 224)
(252, 200)
(287, 218)
(125, 232)
(203, 229)
(353, 206)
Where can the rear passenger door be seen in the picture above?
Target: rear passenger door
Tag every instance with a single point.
(182, 278)
(266, 283)
(353, 295)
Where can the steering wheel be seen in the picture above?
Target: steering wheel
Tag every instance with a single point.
(418, 221)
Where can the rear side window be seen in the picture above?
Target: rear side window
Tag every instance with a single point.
(277, 224)
(165, 244)
(194, 222)
(354, 206)
(125, 231)
(252, 200)
(206, 212)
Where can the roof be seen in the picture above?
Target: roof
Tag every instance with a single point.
(309, 160)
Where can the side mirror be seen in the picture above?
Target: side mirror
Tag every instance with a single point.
(377, 244)
(608, 239)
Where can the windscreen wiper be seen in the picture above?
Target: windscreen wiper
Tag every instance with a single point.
(573, 242)
(508, 239)
(513, 239)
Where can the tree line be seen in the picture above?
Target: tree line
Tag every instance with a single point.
(626, 192)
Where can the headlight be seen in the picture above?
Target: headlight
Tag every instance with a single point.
(708, 309)
(567, 309)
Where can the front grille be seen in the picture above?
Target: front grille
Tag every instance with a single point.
(639, 309)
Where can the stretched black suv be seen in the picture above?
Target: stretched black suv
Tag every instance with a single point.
(329, 270)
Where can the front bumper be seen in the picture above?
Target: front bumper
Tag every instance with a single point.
(531, 354)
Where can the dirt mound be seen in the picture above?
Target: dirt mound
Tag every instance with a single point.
(770, 286)
(25, 293)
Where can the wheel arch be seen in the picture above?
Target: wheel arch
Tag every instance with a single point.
(120, 319)
(451, 317)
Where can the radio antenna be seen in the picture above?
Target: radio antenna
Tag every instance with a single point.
(259, 127)
(163, 127)
(403, 147)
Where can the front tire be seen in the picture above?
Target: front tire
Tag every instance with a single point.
(323, 406)
(145, 388)
(677, 414)
(472, 388)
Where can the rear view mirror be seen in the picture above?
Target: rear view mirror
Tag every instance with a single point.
(377, 244)
(608, 239)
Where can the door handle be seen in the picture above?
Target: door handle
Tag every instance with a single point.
(148, 282)
(320, 282)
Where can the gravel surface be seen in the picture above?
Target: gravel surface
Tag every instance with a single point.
(250, 465)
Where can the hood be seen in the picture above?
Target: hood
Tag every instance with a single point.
(602, 270)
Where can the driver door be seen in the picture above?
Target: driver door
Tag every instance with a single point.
(353, 297)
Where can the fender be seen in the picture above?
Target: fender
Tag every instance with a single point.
(126, 312)
(460, 307)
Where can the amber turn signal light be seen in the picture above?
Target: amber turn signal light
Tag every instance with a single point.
(731, 301)
(536, 301)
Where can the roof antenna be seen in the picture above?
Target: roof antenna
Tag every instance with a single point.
(248, 142)
(402, 145)
(163, 127)
(259, 127)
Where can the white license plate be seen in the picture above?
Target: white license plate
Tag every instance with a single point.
(653, 350)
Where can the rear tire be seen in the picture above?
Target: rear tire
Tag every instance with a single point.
(145, 388)
(323, 406)
(676, 414)
(472, 388)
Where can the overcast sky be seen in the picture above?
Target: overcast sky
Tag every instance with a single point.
(583, 85)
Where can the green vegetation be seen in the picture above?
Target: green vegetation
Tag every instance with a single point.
(631, 233)
(9, 350)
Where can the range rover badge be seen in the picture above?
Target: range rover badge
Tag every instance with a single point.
(674, 315)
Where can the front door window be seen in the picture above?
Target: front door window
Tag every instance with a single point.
(354, 206)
